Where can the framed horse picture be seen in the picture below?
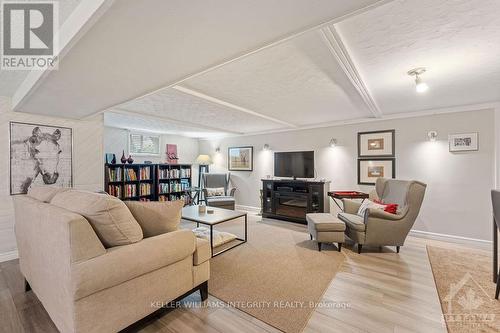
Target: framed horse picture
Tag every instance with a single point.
(40, 155)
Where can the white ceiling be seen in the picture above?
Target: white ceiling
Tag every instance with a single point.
(457, 41)
(267, 66)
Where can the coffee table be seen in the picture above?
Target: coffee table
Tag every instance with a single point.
(220, 215)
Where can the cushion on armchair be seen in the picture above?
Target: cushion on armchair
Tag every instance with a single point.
(215, 191)
(368, 204)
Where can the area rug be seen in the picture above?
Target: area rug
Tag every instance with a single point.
(466, 290)
(278, 276)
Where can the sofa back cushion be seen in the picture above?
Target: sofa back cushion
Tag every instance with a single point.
(44, 193)
(157, 218)
(108, 216)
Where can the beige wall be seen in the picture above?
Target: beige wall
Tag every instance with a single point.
(457, 200)
(87, 162)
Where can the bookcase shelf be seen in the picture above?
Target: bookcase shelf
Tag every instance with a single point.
(148, 182)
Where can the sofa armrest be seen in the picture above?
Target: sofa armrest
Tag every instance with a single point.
(202, 252)
(124, 263)
(351, 206)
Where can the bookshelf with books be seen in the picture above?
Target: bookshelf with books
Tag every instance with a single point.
(148, 182)
(130, 181)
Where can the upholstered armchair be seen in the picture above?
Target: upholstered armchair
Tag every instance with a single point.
(377, 227)
(216, 190)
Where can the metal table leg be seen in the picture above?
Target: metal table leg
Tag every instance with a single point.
(212, 240)
(495, 251)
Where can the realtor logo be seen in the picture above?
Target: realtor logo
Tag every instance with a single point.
(28, 30)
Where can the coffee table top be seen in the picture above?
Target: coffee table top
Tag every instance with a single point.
(219, 215)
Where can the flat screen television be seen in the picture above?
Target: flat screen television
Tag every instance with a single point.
(296, 164)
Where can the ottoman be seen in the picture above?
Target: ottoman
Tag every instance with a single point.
(326, 228)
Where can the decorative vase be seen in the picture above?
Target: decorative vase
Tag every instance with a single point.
(130, 160)
(113, 161)
(123, 159)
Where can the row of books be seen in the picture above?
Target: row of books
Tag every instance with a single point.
(145, 189)
(145, 173)
(175, 173)
(115, 190)
(130, 174)
(114, 175)
(130, 191)
(179, 186)
(174, 197)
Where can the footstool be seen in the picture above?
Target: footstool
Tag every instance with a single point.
(326, 228)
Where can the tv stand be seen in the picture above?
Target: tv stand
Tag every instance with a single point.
(291, 200)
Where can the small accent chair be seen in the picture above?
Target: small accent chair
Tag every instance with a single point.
(495, 199)
(218, 180)
(379, 228)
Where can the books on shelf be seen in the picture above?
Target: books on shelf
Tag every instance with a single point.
(144, 199)
(114, 174)
(163, 188)
(130, 175)
(175, 173)
(145, 189)
(178, 186)
(163, 198)
(130, 190)
(115, 190)
(145, 173)
(180, 197)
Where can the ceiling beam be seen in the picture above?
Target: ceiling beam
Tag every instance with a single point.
(334, 44)
(261, 48)
(173, 121)
(230, 105)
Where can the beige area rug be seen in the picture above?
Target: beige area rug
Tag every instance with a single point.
(466, 290)
(278, 276)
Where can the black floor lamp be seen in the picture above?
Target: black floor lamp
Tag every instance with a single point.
(203, 161)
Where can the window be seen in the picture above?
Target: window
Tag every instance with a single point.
(144, 144)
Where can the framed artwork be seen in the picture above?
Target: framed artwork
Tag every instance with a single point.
(371, 169)
(376, 144)
(463, 142)
(240, 158)
(41, 155)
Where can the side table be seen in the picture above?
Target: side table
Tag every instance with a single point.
(339, 195)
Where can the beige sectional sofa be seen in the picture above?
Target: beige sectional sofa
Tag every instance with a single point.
(87, 286)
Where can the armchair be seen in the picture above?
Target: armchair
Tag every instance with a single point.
(379, 228)
(218, 180)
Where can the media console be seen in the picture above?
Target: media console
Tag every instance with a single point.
(291, 200)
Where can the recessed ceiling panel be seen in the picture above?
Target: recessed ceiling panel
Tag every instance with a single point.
(179, 106)
(137, 47)
(150, 124)
(457, 41)
(298, 81)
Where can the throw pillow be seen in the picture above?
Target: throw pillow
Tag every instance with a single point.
(45, 193)
(109, 216)
(215, 191)
(368, 204)
(389, 207)
(157, 218)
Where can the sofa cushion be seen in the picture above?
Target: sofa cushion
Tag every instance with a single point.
(44, 193)
(353, 221)
(111, 219)
(325, 222)
(157, 218)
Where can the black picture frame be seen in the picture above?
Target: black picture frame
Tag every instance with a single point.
(11, 141)
(393, 160)
(393, 146)
(232, 168)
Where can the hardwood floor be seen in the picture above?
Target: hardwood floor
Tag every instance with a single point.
(373, 292)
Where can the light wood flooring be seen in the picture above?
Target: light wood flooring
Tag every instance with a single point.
(373, 292)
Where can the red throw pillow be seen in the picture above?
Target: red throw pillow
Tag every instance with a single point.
(389, 207)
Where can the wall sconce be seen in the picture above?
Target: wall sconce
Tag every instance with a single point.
(217, 150)
(266, 147)
(333, 143)
(432, 135)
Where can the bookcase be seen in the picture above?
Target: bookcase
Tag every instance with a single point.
(172, 181)
(148, 182)
(130, 181)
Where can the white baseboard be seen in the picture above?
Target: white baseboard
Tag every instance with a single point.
(8, 256)
(248, 208)
(446, 237)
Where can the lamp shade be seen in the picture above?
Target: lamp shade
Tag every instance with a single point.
(203, 160)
